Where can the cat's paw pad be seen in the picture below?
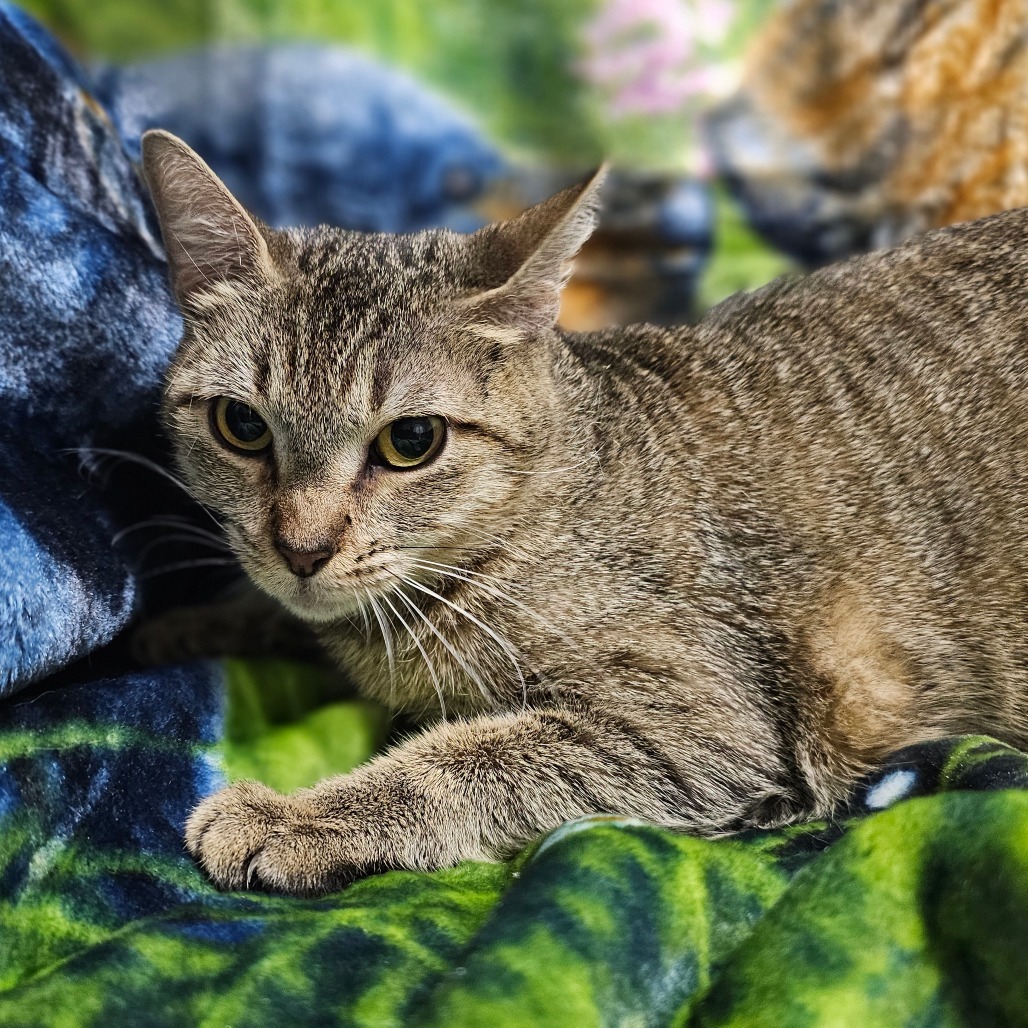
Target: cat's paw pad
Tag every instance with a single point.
(250, 837)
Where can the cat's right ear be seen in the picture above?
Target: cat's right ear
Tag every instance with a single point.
(525, 262)
(210, 240)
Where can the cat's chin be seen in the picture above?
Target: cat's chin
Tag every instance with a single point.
(317, 607)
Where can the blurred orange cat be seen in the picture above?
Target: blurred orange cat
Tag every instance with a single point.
(859, 124)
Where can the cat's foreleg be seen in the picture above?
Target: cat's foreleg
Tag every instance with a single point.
(475, 789)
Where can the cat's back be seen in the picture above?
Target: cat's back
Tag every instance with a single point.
(858, 440)
(939, 324)
(876, 374)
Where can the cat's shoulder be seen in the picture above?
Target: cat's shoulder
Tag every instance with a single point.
(656, 348)
(938, 283)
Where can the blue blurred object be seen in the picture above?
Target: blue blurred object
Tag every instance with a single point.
(306, 134)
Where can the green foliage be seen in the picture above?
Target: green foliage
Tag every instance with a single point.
(509, 61)
(512, 63)
(741, 259)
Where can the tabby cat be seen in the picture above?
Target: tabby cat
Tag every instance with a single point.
(704, 576)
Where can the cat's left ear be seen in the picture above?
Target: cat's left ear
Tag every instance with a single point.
(211, 241)
(524, 263)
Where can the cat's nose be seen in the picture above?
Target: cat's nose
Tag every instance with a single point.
(305, 563)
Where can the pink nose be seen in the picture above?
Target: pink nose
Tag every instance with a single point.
(305, 563)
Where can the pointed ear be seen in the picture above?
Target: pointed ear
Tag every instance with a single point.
(210, 239)
(526, 261)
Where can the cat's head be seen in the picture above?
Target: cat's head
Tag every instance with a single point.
(354, 405)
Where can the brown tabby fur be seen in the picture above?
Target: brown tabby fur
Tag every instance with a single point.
(704, 576)
(864, 122)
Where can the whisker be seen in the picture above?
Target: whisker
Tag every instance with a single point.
(387, 640)
(184, 564)
(504, 543)
(180, 524)
(461, 661)
(464, 571)
(424, 654)
(167, 539)
(500, 641)
(145, 462)
(459, 574)
(367, 623)
(440, 546)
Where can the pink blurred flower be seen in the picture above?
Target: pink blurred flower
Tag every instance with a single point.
(649, 56)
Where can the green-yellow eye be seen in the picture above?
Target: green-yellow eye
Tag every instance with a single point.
(408, 442)
(240, 426)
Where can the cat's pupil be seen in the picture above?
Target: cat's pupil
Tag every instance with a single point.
(244, 422)
(412, 437)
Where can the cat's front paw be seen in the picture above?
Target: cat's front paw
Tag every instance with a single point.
(249, 836)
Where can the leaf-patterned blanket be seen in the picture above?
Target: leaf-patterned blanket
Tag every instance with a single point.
(910, 910)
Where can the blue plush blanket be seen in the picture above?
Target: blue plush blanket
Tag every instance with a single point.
(86, 328)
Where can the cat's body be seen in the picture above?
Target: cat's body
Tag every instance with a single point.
(704, 575)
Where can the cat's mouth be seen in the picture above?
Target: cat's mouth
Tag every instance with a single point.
(336, 591)
(322, 598)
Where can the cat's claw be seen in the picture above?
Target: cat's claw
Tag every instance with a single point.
(227, 831)
(251, 870)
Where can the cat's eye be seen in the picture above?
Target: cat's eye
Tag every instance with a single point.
(240, 426)
(409, 442)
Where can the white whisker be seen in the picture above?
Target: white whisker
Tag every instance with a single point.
(424, 654)
(179, 524)
(203, 562)
(460, 575)
(387, 641)
(137, 458)
(464, 571)
(165, 540)
(504, 645)
(461, 661)
(504, 543)
(367, 623)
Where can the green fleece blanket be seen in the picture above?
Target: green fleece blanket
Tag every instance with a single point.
(911, 910)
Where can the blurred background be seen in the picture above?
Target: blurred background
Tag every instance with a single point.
(747, 137)
(398, 114)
